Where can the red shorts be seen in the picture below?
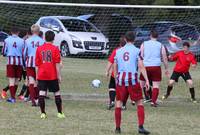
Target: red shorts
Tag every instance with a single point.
(134, 91)
(153, 73)
(14, 71)
(30, 71)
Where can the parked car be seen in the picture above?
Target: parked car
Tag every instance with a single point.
(74, 35)
(3, 36)
(171, 35)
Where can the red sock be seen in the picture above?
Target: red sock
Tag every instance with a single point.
(118, 117)
(12, 91)
(32, 93)
(36, 92)
(141, 115)
(16, 86)
(155, 94)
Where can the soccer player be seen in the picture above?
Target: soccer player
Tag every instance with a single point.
(153, 52)
(184, 59)
(48, 73)
(127, 61)
(31, 45)
(13, 50)
(109, 69)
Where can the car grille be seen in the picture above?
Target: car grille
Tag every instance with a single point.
(90, 45)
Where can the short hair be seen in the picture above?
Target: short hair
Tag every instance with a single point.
(49, 36)
(40, 34)
(154, 34)
(14, 30)
(35, 28)
(122, 41)
(130, 36)
(186, 44)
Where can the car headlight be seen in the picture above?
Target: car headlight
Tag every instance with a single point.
(76, 42)
(107, 45)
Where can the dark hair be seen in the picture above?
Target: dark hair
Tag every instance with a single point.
(154, 34)
(130, 36)
(14, 30)
(28, 32)
(122, 41)
(186, 44)
(49, 36)
(40, 34)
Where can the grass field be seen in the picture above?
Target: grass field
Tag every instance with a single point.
(175, 116)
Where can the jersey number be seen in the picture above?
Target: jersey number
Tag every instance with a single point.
(46, 56)
(126, 56)
(35, 45)
(15, 45)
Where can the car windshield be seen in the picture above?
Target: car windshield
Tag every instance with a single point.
(76, 25)
(185, 32)
(2, 37)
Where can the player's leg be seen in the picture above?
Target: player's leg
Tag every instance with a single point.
(136, 95)
(155, 93)
(42, 86)
(146, 93)
(4, 92)
(174, 78)
(53, 86)
(118, 104)
(112, 93)
(18, 75)
(24, 86)
(31, 90)
(187, 77)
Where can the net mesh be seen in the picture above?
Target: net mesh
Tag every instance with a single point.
(113, 22)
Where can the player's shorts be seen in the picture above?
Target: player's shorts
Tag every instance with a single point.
(51, 85)
(112, 83)
(31, 72)
(153, 74)
(134, 91)
(14, 71)
(175, 76)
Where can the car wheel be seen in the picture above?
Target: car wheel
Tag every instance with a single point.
(64, 49)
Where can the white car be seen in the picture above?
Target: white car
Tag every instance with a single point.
(74, 35)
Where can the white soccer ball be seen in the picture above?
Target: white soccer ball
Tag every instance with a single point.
(96, 83)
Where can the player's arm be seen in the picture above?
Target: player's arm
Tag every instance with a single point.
(142, 50)
(37, 61)
(58, 64)
(165, 61)
(109, 68)
(174, 57)
(4, 50)
(194, 62)
(115, 69)
(143, 71)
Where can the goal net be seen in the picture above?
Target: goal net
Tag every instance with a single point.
(93, 31)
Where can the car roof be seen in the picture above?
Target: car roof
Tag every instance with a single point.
(63, 17)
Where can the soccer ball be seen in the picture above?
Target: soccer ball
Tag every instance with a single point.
(96, 83)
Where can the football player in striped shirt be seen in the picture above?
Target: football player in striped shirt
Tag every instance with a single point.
(13, 50)
(31, 45)
(127, 61)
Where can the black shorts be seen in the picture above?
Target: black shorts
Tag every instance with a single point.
(112, 83)
(51, 85)
(175, 76)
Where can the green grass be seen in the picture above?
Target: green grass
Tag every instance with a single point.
(175, 116)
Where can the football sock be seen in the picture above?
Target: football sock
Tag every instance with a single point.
(112, 96)
(118, 117)
(16, 86)
(36, 92)
(192, 92)
(42, 103)
(24, 87)
(32, 93)
(6, 88)
(155, 94)
(27, 92)
(141, 115)
(12, 91)
(169, 89)
(58, 102)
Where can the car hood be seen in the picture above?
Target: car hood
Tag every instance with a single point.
(89, 36)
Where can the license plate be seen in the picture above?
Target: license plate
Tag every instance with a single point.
(95, 47)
